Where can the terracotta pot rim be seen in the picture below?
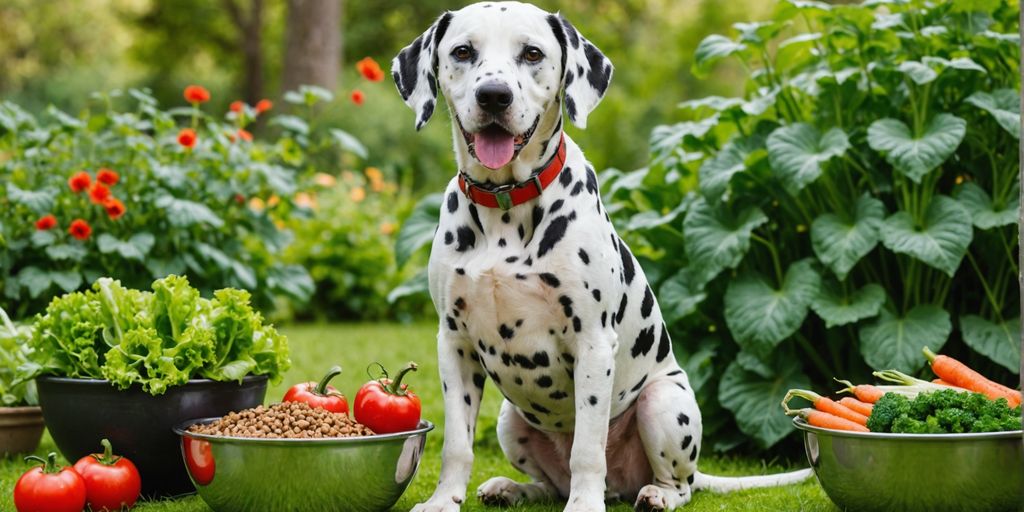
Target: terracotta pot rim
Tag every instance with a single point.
(21, 409)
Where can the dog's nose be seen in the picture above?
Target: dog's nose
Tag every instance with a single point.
(494, 97)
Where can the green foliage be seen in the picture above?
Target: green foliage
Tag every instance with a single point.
(14, 352)
(347, 247)
(155, 339)
(943, 412)
(858, 202)
(215, 211)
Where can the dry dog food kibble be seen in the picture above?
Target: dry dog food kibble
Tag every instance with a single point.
(286, 420)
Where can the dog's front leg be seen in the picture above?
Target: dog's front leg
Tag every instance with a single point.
(461, 405)
(594, 374)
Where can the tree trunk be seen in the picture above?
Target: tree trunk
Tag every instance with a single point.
(1020, 213)
(312, 44)
(250, 41)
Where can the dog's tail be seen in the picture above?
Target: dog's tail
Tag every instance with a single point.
(737, 483)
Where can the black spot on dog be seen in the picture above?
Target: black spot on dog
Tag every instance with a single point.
(524, 362)
(591, 181)
(627, 262)
(506, 332)
(495, 378)
(506, 358)
(519, 323)
(639, 385)
(407, 75)
(512, 259)
(555, 206)
(568, 357)
(531, 418)
(552, 235)
(566, 303)
(460, 271)
(474, 356)
(541, 359)
(622, 310)
(577, 325)
(689, 479)
(467, 399)
(453, 202)
(528, 261)
(683, 419)
(490, 350)
(599, 73)
(604, 318)
(428, 107)
(461, 352)
(460, 303)
(538, 216)
(644, 342)
(674, 462)
(674, 372)
(570, 105)
(478, 380)
(686, 441)
(539, 408)
(571, 33)
(592, 400)
(466, 238)
(451, 323)
(544, 381)
(648, 303)
(506, 218)
(584, 257)
(558, 395)
(577, 189)
(448, 238)
(550, 279)
(522, 232)
(523, 440)
(597, 294)
(476, 217)
(502, 242)
(521, 277)
(664, 345)
(693, 453)
(565, 177)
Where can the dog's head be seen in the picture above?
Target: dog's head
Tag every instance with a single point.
(502, 67)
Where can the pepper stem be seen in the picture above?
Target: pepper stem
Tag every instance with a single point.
(321, 387)
(108, 458)
(395, 388)
(49, 463)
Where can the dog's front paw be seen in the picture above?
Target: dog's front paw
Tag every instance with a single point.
(440, 504)
(585, 502)
(500, 491)
(653, 498)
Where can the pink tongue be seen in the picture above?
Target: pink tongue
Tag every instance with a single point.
(494, 147)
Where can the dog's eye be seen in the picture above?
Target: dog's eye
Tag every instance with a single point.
(532, 54)
(462, 53)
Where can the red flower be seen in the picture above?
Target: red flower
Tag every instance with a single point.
(239, 198)
(79, 181)
(236, 106)
(370, 70)
(263, 106)
(358, 97)
(107, 177)
(244, 135)
(45, 222)
(99, 193)
(196, 94)
(80, 229)
(114, 207)
(187, 137)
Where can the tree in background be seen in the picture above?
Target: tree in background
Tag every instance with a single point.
(312, 44)
(249, 25)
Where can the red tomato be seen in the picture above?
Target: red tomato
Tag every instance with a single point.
(320, 394)
(387, 406)
(199, 459)
(111, 482)
(48, 488)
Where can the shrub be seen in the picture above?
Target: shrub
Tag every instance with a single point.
(125, 190)
(857, 204)
(15, 352)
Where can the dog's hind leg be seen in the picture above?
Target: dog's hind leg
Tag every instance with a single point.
(670, 428)
(522, 444)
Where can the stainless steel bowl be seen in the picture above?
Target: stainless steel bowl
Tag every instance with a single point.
(360, 474)
(869, 472)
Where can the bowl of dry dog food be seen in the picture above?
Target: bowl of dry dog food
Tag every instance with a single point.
(302, 456)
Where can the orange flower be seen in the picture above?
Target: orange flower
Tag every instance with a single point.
(387, 228)
(273, 201)
(187, 137)
(46, 222)
(80, 229)
(107, 177)
(357, 194)
(257, 205)
(196, 94)
(98, 193)
(244, 135)
(324, 180)
(305, 200)
(358, 97)
(370, 70)
(114, 207)
(263, 106)
(79, 181)
(236, 106)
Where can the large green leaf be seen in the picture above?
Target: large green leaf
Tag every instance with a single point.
(415, 285)
(712, 49)
(349, 142)
(715, 239)
(418, 230)
(716, 172)
(760, 316)
(838, 308)
(984, 213)
(185, 213)
(680, 295)
(917, 155)
(918, 72)
(1001, 104)
(39, 201)
(293, 280)
(940, 243)
(754, 400)
(135, 248)
(895, 342)
(797, 152)
(999, 342)
(840, 243)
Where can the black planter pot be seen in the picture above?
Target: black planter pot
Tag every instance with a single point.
(81, 412)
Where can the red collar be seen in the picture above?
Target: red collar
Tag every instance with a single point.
(514, 194)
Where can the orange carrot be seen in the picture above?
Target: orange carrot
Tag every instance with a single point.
(864, 392)
(825, 404)
(826, 420)
(857, 405)
(960, 375)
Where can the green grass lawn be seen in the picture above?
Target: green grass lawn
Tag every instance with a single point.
(354, 346)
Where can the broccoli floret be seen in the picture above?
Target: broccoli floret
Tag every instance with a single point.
(955, 420)
(886, 410)
(907, 425)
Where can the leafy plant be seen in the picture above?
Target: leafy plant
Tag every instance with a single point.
(155, 339)
(859, 202)
(129, 190)
(14, 352)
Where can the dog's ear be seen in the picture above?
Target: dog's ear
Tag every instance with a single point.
(414, 70)
(586, 71)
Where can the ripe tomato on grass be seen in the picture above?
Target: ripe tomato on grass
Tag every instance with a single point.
(111, 482)
(321, 394)
(388, 406)
(49, 488)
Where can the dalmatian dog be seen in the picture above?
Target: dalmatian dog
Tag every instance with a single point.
(533, 287)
